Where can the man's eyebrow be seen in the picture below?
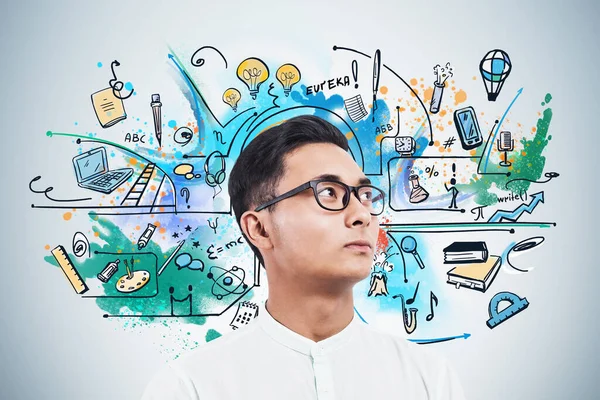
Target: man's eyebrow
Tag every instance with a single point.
(333, 177)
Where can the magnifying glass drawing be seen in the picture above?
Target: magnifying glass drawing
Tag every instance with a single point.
(409, 245)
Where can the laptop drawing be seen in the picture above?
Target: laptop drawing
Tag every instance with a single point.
(91, 169)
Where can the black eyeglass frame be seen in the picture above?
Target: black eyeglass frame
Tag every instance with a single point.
(313, 184)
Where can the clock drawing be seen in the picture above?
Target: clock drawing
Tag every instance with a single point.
(405, 145)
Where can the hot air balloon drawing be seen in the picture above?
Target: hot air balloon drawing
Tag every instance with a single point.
(494, 68)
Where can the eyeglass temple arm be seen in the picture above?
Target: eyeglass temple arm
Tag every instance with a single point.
(283, 196)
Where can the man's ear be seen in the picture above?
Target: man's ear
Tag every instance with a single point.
(254, 227)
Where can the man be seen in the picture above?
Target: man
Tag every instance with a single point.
(310, 216)
(454, 192)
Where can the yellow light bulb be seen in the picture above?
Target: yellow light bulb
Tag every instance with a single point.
(231, 97)
(253, 72)
(288, 75)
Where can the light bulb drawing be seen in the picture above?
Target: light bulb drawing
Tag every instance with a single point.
(442, 74)
(495, 68)
(288, 75)
(253, 72)
(232, 96)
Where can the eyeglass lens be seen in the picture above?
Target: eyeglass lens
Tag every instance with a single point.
(334, 196)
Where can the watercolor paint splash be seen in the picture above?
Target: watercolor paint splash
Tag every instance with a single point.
(399, 112)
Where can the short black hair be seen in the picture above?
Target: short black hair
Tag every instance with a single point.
(260, 166)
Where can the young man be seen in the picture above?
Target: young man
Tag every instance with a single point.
(311, 217)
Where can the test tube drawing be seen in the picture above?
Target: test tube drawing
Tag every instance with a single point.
(442, 74)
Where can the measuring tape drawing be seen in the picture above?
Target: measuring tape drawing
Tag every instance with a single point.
(60, 254)
(517, 305)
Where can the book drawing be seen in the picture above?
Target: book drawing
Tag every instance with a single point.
(478, 276)
(465, 252)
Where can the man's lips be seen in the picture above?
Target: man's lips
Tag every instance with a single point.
(361, 245)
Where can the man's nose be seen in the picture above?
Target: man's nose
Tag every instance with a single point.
(357, 210)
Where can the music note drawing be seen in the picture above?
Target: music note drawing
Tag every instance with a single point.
(432, 299)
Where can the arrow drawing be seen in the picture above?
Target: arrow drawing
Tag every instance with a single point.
(513, 216)
(439, 340)
(487, 157)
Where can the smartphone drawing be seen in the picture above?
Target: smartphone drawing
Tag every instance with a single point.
(468, 128)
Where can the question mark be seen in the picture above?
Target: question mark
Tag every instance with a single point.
(184, 192)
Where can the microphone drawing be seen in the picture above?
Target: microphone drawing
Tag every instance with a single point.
(505, 144)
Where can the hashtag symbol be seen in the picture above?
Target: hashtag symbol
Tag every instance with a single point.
(449, 142)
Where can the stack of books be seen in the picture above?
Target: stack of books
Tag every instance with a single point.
(476, 269)
(465, 252)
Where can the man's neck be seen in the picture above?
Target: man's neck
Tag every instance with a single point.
(312, 315)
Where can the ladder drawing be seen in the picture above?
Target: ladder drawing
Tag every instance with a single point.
(137, 190)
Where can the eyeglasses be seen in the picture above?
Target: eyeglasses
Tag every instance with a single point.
(335, 195)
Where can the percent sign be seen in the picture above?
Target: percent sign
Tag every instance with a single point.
(431, 171)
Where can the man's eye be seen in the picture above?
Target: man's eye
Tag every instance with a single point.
(367, 195)
(328, 192)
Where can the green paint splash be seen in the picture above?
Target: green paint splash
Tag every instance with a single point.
(115, 241)
(528, 163)
(211, 334)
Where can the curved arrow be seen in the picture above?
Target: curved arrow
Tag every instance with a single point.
(193, 89)
(425, 341)
(439, 340)
(487, 157)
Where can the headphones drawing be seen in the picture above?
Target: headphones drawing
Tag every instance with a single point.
(218, 177)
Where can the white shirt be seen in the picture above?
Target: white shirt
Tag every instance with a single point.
(267, 361)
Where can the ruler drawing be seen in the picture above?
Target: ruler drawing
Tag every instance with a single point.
(68, 268)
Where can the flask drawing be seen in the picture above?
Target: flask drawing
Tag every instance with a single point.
(417, 193)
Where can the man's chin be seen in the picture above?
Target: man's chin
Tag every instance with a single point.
(355, 273)
(342, 275)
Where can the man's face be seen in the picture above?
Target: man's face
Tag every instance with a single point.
(309, 242)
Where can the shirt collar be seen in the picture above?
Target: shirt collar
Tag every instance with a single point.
(288, 338)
